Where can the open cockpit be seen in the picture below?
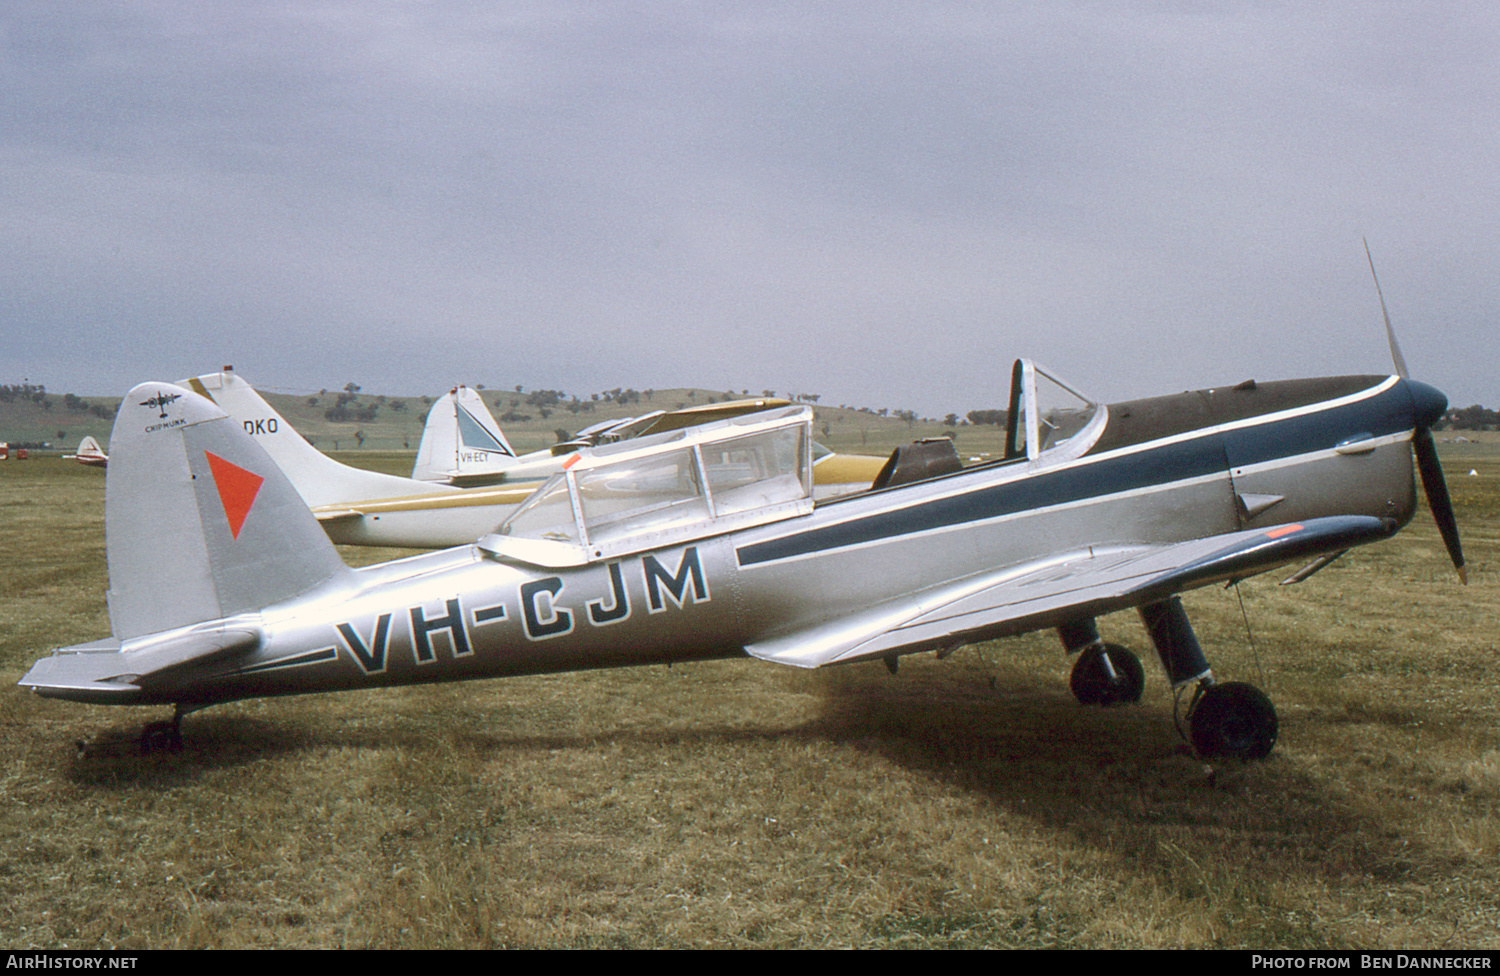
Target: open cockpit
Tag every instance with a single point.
(1047, 421)
(1047, 417)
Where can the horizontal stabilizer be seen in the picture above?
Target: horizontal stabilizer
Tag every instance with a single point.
(328, 513)
(89, 672)
(107, 671)
(154, 657)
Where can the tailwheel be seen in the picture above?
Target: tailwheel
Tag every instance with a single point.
(1233, 721)
(1107, 674)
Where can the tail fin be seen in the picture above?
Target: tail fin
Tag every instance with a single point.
(199, 521)
(89, 452)
(318, 478)
(461, 442)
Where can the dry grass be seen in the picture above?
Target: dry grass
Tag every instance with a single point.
(963, 803)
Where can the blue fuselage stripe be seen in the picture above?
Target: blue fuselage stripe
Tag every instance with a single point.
(1161, 465)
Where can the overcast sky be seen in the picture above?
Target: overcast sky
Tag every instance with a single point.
(881, 203)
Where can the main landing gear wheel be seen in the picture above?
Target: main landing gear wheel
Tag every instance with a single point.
(1233, 721)
(1107, 674)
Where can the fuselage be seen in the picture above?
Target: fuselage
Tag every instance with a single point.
(1161, 470)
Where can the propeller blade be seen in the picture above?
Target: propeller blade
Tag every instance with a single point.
(1429, 405)
(1390, 333)
(1436, 487)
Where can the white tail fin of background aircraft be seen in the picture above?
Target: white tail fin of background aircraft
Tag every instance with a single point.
(461, 441)
(202, 523)
(318, 478)
(90, 453)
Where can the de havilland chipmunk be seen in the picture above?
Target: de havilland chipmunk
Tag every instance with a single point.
(706, 543)
(466, 479)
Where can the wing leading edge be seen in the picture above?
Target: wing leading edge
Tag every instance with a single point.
(1045, 593)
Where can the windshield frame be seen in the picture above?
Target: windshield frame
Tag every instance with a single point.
(1029, 435)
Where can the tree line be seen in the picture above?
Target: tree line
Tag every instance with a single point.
(349, 408)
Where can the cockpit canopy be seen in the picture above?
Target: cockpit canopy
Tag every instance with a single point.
(666, 488)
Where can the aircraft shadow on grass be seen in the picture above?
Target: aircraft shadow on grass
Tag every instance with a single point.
(1110, 780)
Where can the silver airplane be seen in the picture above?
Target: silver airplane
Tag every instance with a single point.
(707, 543)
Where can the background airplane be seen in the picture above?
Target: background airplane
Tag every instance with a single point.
(707, 543)
(463, 445)
(359, 507)
(89, 453)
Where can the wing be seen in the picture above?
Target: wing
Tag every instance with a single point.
(1063, 587)
(707, 413)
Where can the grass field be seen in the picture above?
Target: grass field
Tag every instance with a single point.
(963, 803)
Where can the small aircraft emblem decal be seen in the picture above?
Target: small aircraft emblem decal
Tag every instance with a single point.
(160, 401)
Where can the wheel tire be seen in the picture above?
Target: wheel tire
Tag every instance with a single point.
(1091, 683)
(1233, 721)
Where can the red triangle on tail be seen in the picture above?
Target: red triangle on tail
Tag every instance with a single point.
(237, 490)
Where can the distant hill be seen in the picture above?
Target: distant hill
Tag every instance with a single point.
(531, 419)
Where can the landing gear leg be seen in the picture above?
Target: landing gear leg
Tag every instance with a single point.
(1104, 674)
(1233, 720)
(164, 736)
